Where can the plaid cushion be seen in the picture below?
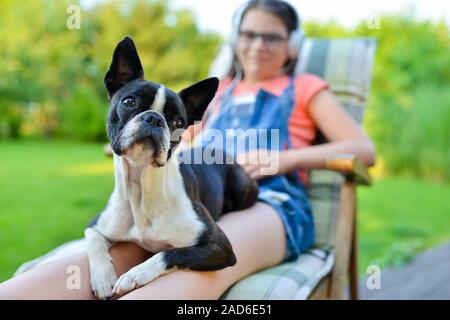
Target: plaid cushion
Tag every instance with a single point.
(346, 65)
(289, 281)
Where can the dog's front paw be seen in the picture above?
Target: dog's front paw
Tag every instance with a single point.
(102, 281)
(134, 278)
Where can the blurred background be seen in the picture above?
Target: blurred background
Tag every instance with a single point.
(53, 173)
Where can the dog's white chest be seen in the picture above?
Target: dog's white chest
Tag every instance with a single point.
(151, 209)
(168, 229)
(145, 239)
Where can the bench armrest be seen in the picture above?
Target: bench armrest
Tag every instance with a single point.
(350, 167)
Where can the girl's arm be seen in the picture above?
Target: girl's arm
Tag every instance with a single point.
(343, 134)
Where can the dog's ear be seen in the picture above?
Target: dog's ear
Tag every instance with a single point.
(125, 66)
(197, 97)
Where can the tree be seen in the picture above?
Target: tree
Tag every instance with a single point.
(51, 77)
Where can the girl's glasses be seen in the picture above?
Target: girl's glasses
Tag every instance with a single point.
(271, 40)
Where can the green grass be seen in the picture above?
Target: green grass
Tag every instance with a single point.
(48, 193)
(50, 190)
(399, 217)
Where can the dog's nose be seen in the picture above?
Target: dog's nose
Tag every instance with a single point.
(155, 120)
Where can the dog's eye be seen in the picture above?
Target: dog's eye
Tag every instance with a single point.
(129, 102)
(179, 123)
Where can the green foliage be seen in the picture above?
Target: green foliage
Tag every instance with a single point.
(82, 116)
(51, 78)
(415, 135)
(409, 111)
(34, 49)
(50, 75)
(329, 29)
(409, 106)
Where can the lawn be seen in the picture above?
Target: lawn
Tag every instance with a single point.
(50, 190)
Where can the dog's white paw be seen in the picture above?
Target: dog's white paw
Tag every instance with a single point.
(141, 274)
(134, 278)
(102, 281)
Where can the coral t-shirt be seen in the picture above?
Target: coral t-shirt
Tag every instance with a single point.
(302, 129)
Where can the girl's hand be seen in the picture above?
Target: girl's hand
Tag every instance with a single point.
(260, 163)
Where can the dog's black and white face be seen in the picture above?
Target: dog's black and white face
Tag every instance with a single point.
(145, 119)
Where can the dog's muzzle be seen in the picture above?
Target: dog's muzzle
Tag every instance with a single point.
(146, 135)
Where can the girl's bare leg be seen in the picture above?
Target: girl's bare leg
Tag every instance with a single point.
(55, 280)
(256, 234)
(258, 240)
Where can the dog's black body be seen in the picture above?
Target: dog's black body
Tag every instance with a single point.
(160, 202)
(215, 190)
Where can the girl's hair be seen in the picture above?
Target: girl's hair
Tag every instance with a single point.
(283, 10)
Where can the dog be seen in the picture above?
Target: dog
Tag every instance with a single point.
(164, 205)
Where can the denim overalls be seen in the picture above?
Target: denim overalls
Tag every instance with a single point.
(286, 194)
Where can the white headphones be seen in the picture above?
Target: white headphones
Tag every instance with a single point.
(295, 38)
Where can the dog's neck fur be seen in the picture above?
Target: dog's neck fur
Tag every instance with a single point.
(149, 190)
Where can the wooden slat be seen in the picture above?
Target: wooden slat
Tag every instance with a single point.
(321, 291)
(353, 271)
(344, 235)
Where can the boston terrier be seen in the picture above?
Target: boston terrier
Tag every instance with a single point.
(166, 206)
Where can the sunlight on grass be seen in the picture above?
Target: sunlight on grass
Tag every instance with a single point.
(90, 169)
(372, 223)
(379, 169)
